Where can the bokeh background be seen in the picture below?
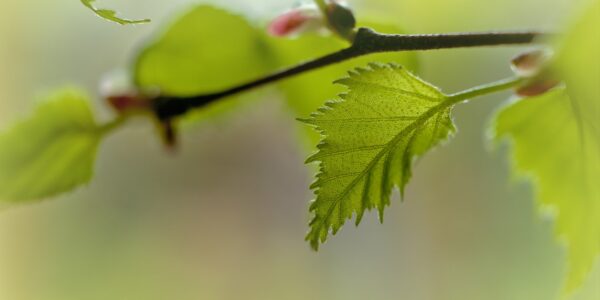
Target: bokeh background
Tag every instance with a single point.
(225, 217)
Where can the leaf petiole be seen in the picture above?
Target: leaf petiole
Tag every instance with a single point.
(112, 125)
(486, 89)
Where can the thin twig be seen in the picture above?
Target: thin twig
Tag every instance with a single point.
(366, 42)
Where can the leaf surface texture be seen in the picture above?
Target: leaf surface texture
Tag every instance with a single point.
(371, 136)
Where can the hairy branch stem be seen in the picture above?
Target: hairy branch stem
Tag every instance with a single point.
(366, 42)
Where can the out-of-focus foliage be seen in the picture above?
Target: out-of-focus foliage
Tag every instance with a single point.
(372, 136)
(548, 145)
(51, 152)
(578, 63)
(468, 237)
(208, 49)
(556, 139)
(111, 15)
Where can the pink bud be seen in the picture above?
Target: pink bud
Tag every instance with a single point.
(287, 23)
(295, 21)
(128, 102)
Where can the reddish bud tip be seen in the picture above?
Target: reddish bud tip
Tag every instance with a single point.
(128, 102)
(298, 20)
(288, 23)
(537, 87)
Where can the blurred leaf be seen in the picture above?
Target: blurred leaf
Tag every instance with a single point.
(371, 138)
(110, 15)
(209, 49)
(51, 152)
(205, 50)
(548, 145)
(556, 139)
(578, 63)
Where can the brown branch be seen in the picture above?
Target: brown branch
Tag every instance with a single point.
(366, 42)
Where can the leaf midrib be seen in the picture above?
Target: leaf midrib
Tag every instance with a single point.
(398, 90)
(448, 101)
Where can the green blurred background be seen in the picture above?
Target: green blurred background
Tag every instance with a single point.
(225, 217)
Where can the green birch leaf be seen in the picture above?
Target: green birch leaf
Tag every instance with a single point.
(110, 15)
(372, 135)
(51, 152)
(556, 140)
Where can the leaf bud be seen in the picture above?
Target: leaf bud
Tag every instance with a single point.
(537, 87)
(128, 102)
(341, 18)
(531, 63)
(120, 93)
(295, 21)
(533, 66)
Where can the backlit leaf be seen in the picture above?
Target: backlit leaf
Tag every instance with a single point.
(51, 152)
(305, 93)
(372, 135)
(548, 145)
(556, 140)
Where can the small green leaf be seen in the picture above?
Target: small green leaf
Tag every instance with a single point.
(51, 152)
(111, 15)
(372, 135)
